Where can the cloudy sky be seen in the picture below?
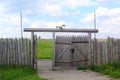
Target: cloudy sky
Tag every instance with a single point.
(52, 13)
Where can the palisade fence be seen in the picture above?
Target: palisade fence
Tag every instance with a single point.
(85, 53)
(106, 51)
(16, 52)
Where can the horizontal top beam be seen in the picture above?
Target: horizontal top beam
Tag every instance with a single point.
(60, 30)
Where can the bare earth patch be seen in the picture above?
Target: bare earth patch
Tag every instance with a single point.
(45, 71)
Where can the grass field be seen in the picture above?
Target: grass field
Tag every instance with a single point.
(111, 69)
(18, 73)
(44, 48)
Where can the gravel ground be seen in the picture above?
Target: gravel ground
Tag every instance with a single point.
(45, 71)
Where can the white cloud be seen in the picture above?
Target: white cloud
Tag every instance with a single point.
(76, 13)
(46, 24)
(56, 7)
(105, 2)
(107, 12)
(2, 8)
(51, 8)
(76, 3)
(88, 17)
(101, 12)
(54, 10)
(107, 20)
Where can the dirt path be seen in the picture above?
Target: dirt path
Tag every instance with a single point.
(44, 70)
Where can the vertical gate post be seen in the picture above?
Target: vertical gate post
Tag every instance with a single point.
(33, 48)
(53, 51)
(90, 47)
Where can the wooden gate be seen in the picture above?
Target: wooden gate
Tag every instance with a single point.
(71, 51)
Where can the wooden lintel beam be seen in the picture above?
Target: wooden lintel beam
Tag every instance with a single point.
(60, 30)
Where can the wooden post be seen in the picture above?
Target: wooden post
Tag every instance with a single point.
(90, 47)
(53, 51)
(32, 48)
(35, 50)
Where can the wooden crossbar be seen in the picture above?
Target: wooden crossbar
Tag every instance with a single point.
(60, 30)
(63, 43)
(76, 60)
(72, 42)
(80, 41)
(63, 62)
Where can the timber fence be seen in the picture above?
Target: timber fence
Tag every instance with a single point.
(15, 52)
(86, 52)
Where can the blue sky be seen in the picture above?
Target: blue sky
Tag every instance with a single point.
(52, 13)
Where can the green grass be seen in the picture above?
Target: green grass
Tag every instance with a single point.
(18, 73)
(44, 48)
(111, 69)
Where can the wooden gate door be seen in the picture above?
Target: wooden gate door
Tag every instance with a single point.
(71, 51)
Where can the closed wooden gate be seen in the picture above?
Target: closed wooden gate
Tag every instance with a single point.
(71, 51)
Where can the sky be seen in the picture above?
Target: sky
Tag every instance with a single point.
(52, 13)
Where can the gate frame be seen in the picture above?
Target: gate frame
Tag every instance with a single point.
(32, 30)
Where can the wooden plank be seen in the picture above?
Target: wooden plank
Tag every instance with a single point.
(16, 52)
(80, 41)
(27, 51)
(8, 51)
(5, 55)
(78, 60)
(90, 56)
(1, 51)
(108, 50)
(61, 43)
(70, 61)
(35, 41)
(19, 52)
(63, 62)
(32, 51)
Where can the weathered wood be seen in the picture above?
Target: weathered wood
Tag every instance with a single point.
(80, 41)
(68, 56)
(62, 52)
(63, 43)
(59, 30)
(101, 51)
(11, 54)
(90, 53)
(78, 60)
(63, 61)
(53, 51)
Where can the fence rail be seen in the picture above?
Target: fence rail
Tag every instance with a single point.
(15, 51)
